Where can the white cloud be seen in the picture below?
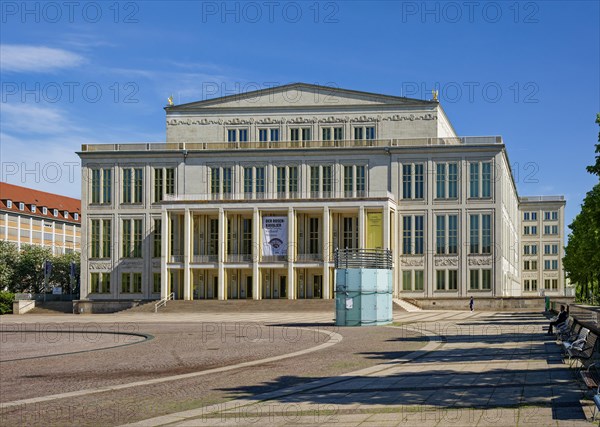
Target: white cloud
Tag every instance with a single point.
(37, 59)
(24, 118)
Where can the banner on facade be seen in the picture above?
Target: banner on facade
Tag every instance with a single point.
(275, 235)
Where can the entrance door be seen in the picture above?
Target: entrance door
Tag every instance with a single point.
(282, 286)
(215, 287)
(318, 286)
(249, 287)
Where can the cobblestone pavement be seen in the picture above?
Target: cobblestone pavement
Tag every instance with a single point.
(432, 368)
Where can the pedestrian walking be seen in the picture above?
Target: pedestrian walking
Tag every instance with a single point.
(471, 302)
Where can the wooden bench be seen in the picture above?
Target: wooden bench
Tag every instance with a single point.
(591, 376)
(582, 350)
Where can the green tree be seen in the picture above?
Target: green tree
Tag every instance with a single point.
(9, 256)
(61, 270)
(582, 253)
(30, 268)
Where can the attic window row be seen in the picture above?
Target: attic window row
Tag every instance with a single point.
(21, 206)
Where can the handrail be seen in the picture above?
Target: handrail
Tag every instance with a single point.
(163, 302)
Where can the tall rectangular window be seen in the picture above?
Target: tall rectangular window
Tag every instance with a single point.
(370, 132)
(156, 239)
(246, 236)
(440, 181)
(94, 282)
(126, 283)
(486, 234)
(294, 134)
(281, 181)
(474, 180)
(126, 238)
(452, 180)
(473, 279)
(106, 238)
(106, 185)
(419, 179)
(407, 181)
(95, 238)
(293, 181)
(453, 280)
(231, 135)
(407, 235)
(314, 181)
(137, 238)
(227, 181)
(96, 185)
(419, 234)
(158, 184)
(453, 234)
(358, 133)
(248, 181)
(338, 133)
(138, 186)
(314, 246)
(440, 280)
(156, 283)
(407, 280)
(419, 279)
(360, 181)
(263, 135)
(215, 181)
(326, 132)
(274, 135)
(474, 234)
(440, 246)
(137, 283)
(260, 181)
(327, 180)
(486, 279)
(486, 179)
(127, 185)
(243, 134)
(348, 180)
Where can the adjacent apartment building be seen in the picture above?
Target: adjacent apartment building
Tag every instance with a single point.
(251, 194)
(35, 217)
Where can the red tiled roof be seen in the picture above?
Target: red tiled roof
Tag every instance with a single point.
(40, 199)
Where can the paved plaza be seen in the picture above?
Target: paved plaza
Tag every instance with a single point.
(285, 368)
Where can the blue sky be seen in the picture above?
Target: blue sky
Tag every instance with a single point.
(94, 72)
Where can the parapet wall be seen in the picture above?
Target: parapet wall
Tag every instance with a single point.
(488, 303)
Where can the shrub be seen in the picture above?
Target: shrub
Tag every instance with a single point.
(6, 302)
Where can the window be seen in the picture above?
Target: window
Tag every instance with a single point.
(33, 208)
(534, 216)
(164, 183)
(407, 280)
(530, 230)
(287, 178)
(480, 234)
(412, 243)
(354, 181)
(248, 182)
(350, 232)
(268, 134)
(315, 172)
(76, 216)
(550, 215)
(473, 279)
(419, 275)
(486, 279)
(235, 135)
(364, 132)
(221, 182)
(293, 181)
(100, 238)
(551, 249)
(314, 246)
(101, 185)
(480, 180)
(336, 132)
(9, 204)
(156, 238)
(446, 181)
(530, 285)
(452, 280)
(413, 181)
(526, 216)
(21, 206)
(360, 181)
(440, 280)
(550, 229)
(66, 214)
(327, 181)
(55, 213)
(137, 283)
(100, 283)
(550, 264)
(300, 134)
(133, 182)
(156, 285)
(45, 211)
(132, 238)
(447, 234)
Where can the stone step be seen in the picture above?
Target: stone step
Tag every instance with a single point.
(406, 306)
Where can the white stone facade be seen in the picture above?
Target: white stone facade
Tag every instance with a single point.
(344, 168)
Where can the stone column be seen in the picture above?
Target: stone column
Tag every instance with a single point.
(256, 250)
(386, 226)
(361, 227)
(291, 252)
(326, 253)
(187, 228)
(164, 257)
(221, 265)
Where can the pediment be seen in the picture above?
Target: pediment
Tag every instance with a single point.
(299, 95)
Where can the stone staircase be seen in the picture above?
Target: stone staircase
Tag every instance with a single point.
(406, 306)
(52, 307)
(246, 306)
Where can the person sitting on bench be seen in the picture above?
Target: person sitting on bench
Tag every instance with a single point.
(561, 318)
